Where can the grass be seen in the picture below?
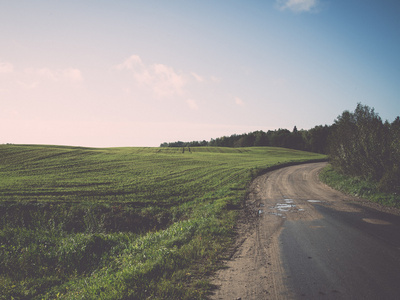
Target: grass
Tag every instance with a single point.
(358, 187)
(121, 223)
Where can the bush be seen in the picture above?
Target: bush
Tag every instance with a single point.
(361, 145)
(390, 181)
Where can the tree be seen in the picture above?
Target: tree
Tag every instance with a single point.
(362, 145)
(391, 179)
(316, 139)
(341, 143)
(261, 138)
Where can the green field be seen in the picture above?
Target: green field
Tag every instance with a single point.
(121, 223)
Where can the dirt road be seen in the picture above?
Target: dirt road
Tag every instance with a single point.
(300, 239)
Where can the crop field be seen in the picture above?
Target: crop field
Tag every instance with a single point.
(121, 223)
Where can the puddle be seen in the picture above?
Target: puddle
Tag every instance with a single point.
(284, 207)
(314, 201)
(276, 214)
(288, 206)
(260, 211)
(376, 221)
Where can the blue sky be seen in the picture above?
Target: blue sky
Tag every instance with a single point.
(139, 73)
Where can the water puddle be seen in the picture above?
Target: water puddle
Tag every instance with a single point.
(314, 201)
(276, 214)
(284, 207)
(287, 206)
(376, 221)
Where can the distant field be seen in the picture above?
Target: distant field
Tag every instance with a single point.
(116, 223)
(143, 175)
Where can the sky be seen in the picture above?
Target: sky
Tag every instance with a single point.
(120, 73)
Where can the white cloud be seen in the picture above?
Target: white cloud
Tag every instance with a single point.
(192, 104)
(239, 101)
(162, 80)
(28, 84)
(197, 77)
(298, 5)
(72, 74)
(42, 73)
(33, 78)
(6, 67)
(166, 81)
(130, 63)
(69, 74)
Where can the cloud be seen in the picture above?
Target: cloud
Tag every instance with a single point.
(192, 104)
(166, 81)
(72, 74)
(197, 77)
(239, 101)
(60, 75)
(6, 67)
(43, 73)
(132, 62)
(298, 5)
(162, 80)
(28, 84)
(32, 78)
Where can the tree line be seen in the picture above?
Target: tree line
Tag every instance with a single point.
(358, 143)
(314, 140)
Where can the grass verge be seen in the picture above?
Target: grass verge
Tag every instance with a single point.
(358, 187)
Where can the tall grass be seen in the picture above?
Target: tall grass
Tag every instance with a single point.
(121, 223)
(359, 187)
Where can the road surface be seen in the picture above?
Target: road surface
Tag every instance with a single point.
(300, 239)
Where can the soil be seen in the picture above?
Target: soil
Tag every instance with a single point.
(256, 269)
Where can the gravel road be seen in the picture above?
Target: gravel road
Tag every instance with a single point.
(300, 239)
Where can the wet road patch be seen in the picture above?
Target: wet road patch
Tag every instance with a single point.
(376, 221)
